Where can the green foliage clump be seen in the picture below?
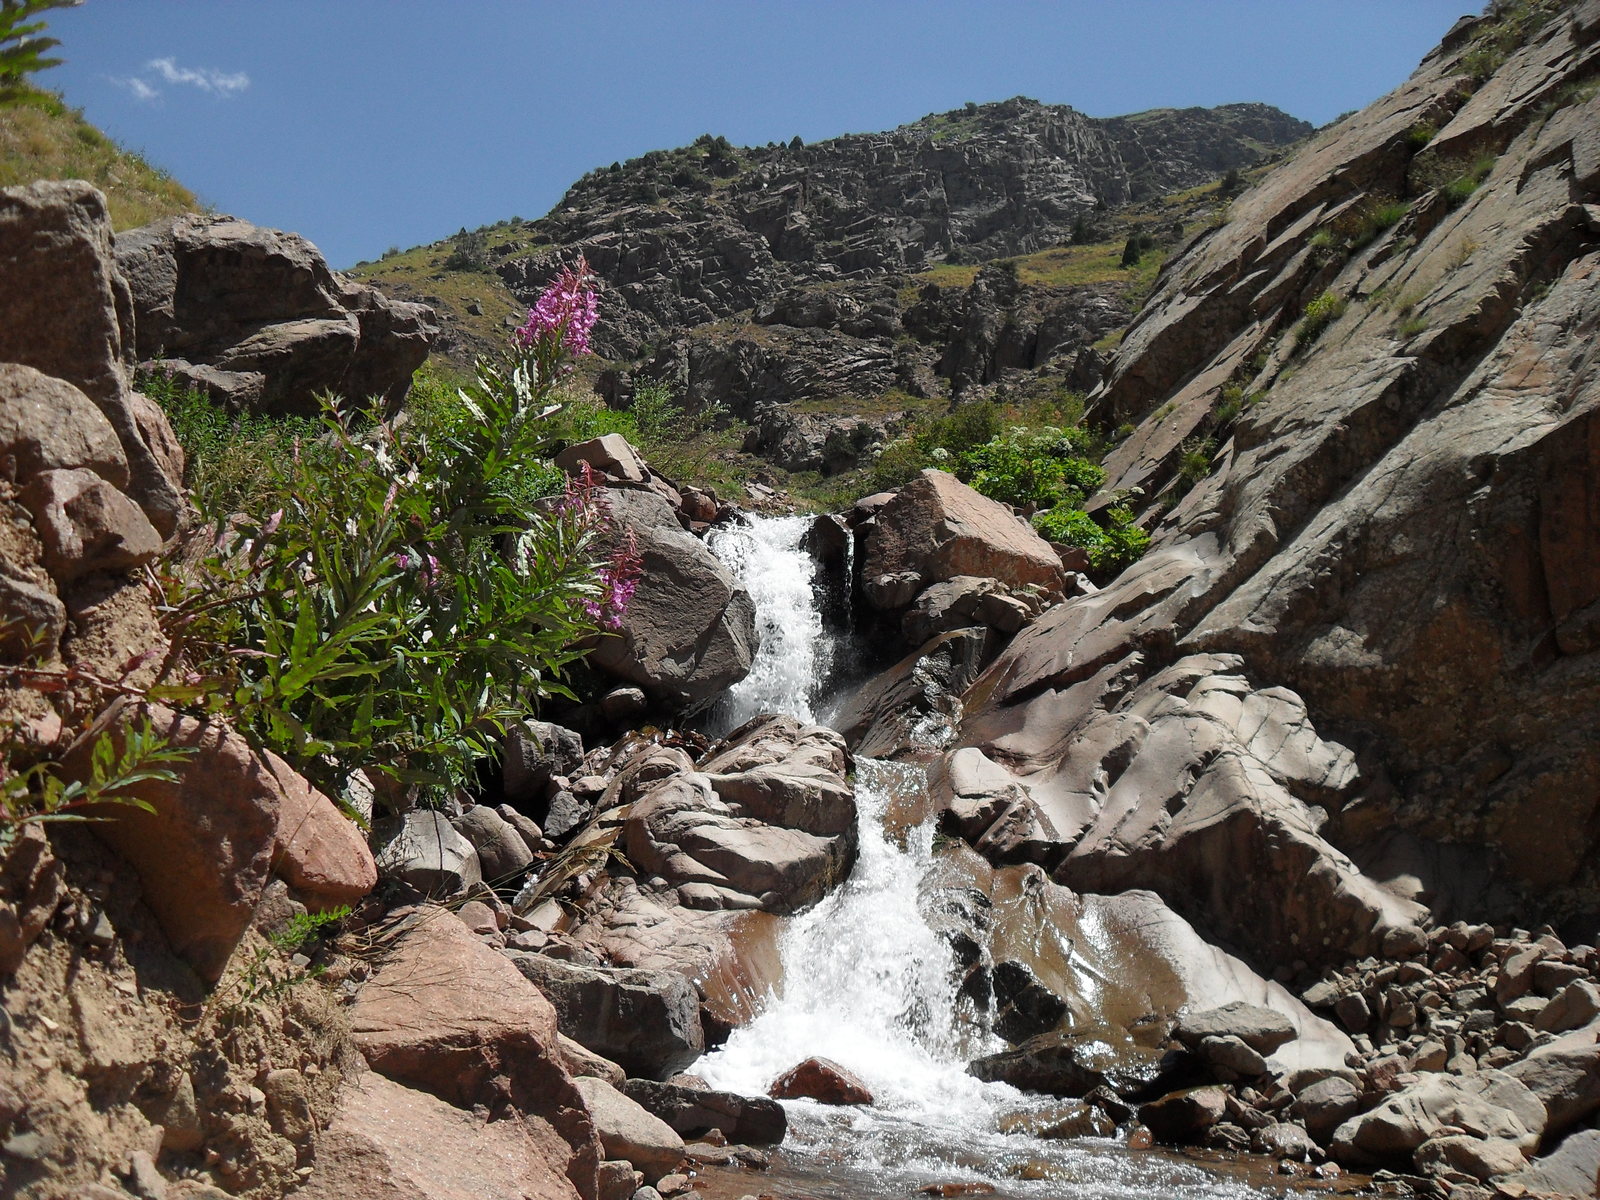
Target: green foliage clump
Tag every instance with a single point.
(469, 251)
(411, 592)
(1110, 547)
(230, 456)
(1032, 468)
(1320, 313)
(22, 49)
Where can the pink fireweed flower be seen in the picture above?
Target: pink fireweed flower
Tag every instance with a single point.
(584, 498)
(565, 312)
(619, 578)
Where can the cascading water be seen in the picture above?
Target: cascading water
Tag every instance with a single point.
(764, 554)
(869, 982)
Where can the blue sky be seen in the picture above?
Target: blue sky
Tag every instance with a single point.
(369, 123)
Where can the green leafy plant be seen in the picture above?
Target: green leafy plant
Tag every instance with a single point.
(1320, 313)
(270, 970)
(418, 587)
(120, 763)
(1110, 546)
(23, 52)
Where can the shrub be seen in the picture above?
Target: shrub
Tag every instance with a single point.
(1110, 546)
(1320, 313)
(410, 596)
(1031, 468)
(469, 251)
(22, 50)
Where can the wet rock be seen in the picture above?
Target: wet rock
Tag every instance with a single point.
(694, 1112)
(648, 1022)
(1183, 1117)
(1283, 1140)
(618, 1180)
(822, 1080)
(908, 706)
(628, 1131)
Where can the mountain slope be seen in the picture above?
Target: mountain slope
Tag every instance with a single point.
(42, 138)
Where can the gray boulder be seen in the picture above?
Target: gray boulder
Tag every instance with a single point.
(648, 1022)
(689, 633)
(256, 318)
(750, 1120)
(628, 1131)
(532, 752)
(502, 852)
(1262, 1029)
(67, 313)
(1488, 1104)
(422, 849)
(1565, 1076)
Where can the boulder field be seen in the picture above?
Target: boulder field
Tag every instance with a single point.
(1306, 794)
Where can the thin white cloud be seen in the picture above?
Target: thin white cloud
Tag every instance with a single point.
(141, 90)
(207, 79)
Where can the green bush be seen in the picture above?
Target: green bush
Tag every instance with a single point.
(1320, 313)
(411, 593)
(1031, 468)
(1110, 547)
(230, 456)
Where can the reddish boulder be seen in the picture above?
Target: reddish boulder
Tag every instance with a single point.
(88, 525)
(820, 1079)
(447, 1014)
(389, 1142)
(937, 528)
(231, 820)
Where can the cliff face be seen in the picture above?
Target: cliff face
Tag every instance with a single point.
(1358, 667)
(693, 236)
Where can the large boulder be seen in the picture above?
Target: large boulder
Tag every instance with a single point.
(629, 1131)
(937, 528)
(689, 632)
(694, 1111)
(213, 838)
(769, 822)
(446, 1014)
(822, 1080)
(391, 1142)
(68, 313)
(1488, 1104)
(1565, 1076)
(47, 424)
(423, 850)
(648, 1022)
(255, 317)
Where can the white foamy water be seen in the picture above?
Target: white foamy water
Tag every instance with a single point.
(870, 984)
(764, 555)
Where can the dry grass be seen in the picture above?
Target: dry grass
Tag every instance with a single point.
(41, 138)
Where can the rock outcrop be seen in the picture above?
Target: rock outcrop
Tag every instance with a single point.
(1345, 699)
(255, 318)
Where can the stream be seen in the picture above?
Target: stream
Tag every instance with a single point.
(868, 982)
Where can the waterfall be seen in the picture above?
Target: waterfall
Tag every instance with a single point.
(765, 555)
(869, 982)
